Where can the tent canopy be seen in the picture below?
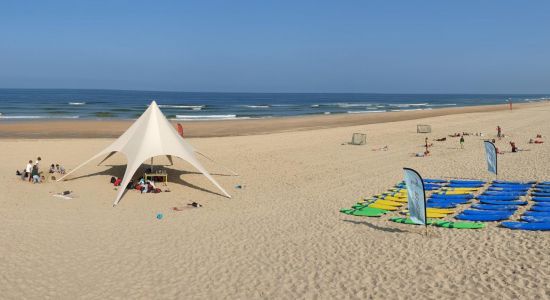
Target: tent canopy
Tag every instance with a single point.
(151, 135)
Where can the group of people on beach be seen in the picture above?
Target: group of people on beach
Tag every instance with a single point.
(500, 135)
(56, 168)
(32, 172)
(514, 147)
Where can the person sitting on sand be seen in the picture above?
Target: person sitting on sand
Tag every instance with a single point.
(514, 148)
(195, 204)
(52, 169)
(59, 169)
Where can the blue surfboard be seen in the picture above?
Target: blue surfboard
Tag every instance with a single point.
(526, 226)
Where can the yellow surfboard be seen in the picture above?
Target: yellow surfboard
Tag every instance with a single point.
(401, 200)
(444, 211)
(387, 202)
(382, 206)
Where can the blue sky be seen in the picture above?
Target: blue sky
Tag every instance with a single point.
(278, 46)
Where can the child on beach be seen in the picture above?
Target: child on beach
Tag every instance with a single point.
(28, 170)
(52, 169)
(499, 132)
(35, 175)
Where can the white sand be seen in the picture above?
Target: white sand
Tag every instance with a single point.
(281, 237)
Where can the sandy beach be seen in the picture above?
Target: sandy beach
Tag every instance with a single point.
(281, 236)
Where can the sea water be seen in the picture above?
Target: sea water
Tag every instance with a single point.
(36, 104)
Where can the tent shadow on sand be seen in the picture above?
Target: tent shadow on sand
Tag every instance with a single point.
(174, 176)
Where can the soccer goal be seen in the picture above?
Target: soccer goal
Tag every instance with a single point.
(420, 128)
(359, 139)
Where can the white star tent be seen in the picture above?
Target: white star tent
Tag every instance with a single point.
(151, 135)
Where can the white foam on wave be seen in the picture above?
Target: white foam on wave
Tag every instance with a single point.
(256, 106)
(77, 103)
(38, 117)
(409, 104)
(191, 107)
(208, 117)
(448, 104)
(285, 105)
(347, 105)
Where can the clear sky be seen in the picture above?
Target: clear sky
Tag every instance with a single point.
(278, 46)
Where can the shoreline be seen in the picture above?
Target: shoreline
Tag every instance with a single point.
(55, 129)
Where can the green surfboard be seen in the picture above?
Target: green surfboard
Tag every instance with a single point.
(364, 212)
(443, 223)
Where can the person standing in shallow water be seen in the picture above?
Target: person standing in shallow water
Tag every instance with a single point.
(462, 142)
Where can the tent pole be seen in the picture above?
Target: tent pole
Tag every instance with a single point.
(227, 169)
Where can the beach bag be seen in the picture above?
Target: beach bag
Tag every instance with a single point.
(113, 179)
(118, 181)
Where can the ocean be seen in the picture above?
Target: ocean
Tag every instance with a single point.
(31, 104)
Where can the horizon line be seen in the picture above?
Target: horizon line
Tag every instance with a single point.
(222, 92)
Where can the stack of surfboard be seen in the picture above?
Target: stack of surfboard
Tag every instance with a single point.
(499, 202)
(538, 216)
(392, 200)
(456, 193)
